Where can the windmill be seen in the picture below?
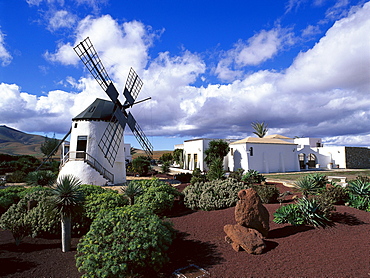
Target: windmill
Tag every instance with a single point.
(97, 132)
(111, 138)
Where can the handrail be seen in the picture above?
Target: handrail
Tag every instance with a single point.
(87, 158)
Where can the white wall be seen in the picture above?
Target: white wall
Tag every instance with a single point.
(192, 147)
(94, 131)
(307, 141)
(266, 158)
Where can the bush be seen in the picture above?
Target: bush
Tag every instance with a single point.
(304, 212)
(268, 193)
(253, 176)
(165, 167)
(198, 176)
(41, 178)
(237, 175)
(17, 177)
(157, 196)
(89, 189)
(124, 242)
(33, 215)
(212, 195)
(10, 195)
(141, 165)
(108, 200)
(334, 194)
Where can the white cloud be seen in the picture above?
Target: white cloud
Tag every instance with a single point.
(259, 48)
(324, 93)
(5, 56)
(61, 19)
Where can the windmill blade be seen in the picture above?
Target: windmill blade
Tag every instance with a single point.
(139, 134)
(57, 147)
(88, 55)
(111, 140)
(132, 88)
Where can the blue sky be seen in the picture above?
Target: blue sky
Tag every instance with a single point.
(211, 67)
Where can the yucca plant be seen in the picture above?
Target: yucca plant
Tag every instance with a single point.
(67, 197)
(306, 186)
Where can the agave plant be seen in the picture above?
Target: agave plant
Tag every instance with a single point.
(319, 179)
(67, 197)
(360, 194)
(359, 187)
(313, 213)
(289, 214)
(306, 186)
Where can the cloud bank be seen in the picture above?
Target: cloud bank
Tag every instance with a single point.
(323, 93)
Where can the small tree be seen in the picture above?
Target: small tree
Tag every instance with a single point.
(216, 170)
(49, 147)
(141, 165)
(67, 197)
(216, 149)
(178, 156)
(132, 190)
(166, 157)
(260, 129)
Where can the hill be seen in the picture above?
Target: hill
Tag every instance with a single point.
(15, 142)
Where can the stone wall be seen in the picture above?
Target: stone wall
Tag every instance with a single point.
(357, 158)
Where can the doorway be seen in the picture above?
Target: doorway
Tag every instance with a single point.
(81, 146)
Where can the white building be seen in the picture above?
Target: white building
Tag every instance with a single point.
(264, 155)
(83, 158)
(277, 153)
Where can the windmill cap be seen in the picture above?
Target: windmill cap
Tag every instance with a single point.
(100, 109)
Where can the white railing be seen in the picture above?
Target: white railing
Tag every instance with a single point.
(84, 156)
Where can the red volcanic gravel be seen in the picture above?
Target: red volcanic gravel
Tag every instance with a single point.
(339, 251)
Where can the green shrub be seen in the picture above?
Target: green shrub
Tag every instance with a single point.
(41, 178)
(253, 176)
(335, 194)
(304, 212)
(212, 195)
(198, 176)
(157, 196)
(237, 175)
(318, 179)
(33, 215)
(165, 168)
(17, 177)
(141, 165)
(268, 193)
(124, 242)
(131, 191)
(108, 200)
(89, 189)
(10, 195)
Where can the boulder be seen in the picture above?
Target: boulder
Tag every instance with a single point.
(244, 238)
(251, 213)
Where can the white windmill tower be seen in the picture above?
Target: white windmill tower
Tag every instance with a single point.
(96, 151)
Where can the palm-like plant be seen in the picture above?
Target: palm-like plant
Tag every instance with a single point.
(306, 186)
(359, 187)
(132, 190)
(67, 197)
(260, 129)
